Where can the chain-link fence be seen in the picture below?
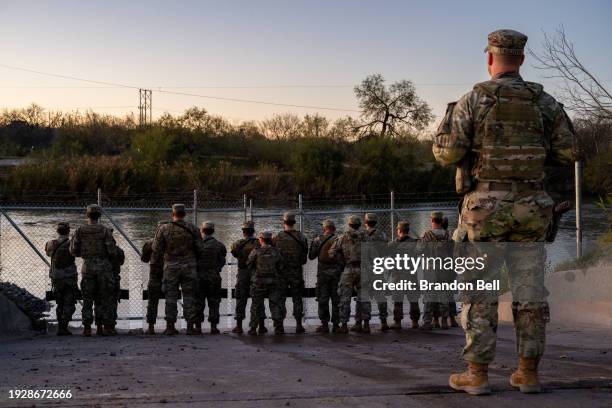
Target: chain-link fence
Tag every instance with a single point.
(28, 223)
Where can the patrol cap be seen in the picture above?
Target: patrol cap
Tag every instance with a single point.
(94, 209)
(371, 217)
(265, 235)
(63, 226)
(437, 215)
(289, 217)
(354, 220)
(177, 208)
(208, 225)
(248, 225)
(506, 42)
(403, 225)
(328, 223)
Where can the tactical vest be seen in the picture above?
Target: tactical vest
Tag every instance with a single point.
(324, 257)
(61, 257)
(265, 265)
(245, 246)
(510, 140)
(210, 254)
(351, 246)
(292, 248)
(93, 241)
(180, 243)
(433, 237)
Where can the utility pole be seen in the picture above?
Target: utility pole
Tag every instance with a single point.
(145, 105)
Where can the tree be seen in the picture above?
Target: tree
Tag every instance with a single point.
(285, 126)
(393, 110)
(582, 91)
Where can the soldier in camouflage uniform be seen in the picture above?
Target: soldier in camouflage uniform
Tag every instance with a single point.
(346, 249)
(180, 245)
(376, 235)
(63, 274)
(95, 244)
(293, 247)
(241, 250)
(154, 286)
(268, 280)
(210, 265)
(117, 261)
(500, 135)
(328, 276)
(403, 235)
(434, 310)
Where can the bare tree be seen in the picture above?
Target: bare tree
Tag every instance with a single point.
(283, 126)
(391, 110)
(582, 92)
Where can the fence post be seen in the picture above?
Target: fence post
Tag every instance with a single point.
(578, 187)
(300, 212)
(251, 209)
(244, 206)
(392, 217)
(195, 207)
(100, 197)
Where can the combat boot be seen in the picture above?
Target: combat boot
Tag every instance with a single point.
(397, 324)
(252, 331)
(343, 329)
(100, 330)
(279, 329)
(426, 326)
(525, 378)
(383, 325)
(415, 324)
(436, 323)
(110, 329)
(151, 329)
(213, 328)
(474, 381)
(87, 330)
(357, 328)
(444, 323)
(335, 328)
(238, 328)
(198, 328)
(366, 327)
(299, 328)
(453, 322)
(62, 329)
(191, 330)
(170, 329)
(262, 327)
(323, 328)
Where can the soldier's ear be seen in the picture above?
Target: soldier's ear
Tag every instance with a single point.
(522, 59)
(489, 59)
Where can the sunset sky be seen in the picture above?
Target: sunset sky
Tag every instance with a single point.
(288, 52)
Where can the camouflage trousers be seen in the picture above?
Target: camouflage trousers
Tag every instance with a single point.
(184, 276)
(270, 288)
(98, 289)
(117, 280)
(435, 310)
(438, 309)
(65, 291)
(243, 291)
(208, 291)
(499, 216)
(326, 290)
(398, 311)
(383, 311)
(294, 278)
(350, 282)
(154, 293)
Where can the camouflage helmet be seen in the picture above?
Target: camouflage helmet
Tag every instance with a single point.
(371, 217)
(93, 209)
(178, 208)
(354, 220)
(265, 235)
(248, 225)
(506, 42)
(327, 223)
(208, 225)
(288, 217)
(438, 215)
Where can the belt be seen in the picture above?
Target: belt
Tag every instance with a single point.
(515, 186)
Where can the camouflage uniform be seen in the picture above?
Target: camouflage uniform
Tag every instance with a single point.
(210, 265)
(268, 281)
(154, 286)
(436, 309)
(398, 299)
(500, 135)
(95, 244)
(376, 235)
(241, 250)
(179, 244)
(293, 247)
(347, 250)
(118, 260)
(328, 277)
(63, 274)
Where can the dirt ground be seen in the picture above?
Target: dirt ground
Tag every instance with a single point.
(408, 368)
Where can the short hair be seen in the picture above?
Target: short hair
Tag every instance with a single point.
(508, 59)
(180, 213)
(63, 229)
(249, 231)
(289, 222)
(371, 223)
(438, 220)
(208, 231)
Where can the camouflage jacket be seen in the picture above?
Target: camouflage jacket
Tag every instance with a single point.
(213, 256)
(267, 264)
(241, 250)
(346, 249)
(293, 247)
(319, 249)
(93, 241)
(177, 242)
(377, 235)
(62, 261)
(460, 133)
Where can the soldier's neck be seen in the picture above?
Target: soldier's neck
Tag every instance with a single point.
(504, 71)
(93, 221)
(288, 228)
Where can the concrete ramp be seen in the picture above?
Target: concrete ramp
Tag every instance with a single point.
(12, 319)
